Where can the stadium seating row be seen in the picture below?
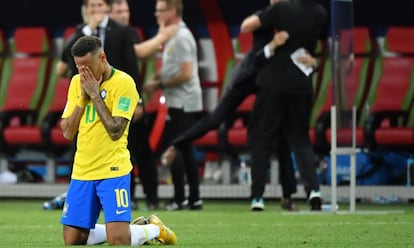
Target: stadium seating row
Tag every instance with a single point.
(33, 95)
(381, 87)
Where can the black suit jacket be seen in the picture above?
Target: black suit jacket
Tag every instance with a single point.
(118, 46)
(305, 21)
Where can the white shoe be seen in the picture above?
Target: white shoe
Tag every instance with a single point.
(257, 205)
(315, 200)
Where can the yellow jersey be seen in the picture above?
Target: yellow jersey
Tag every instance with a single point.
(97, 155)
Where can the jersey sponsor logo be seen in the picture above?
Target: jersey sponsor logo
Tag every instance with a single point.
(123, 103)
(120, 211)
(114, 168)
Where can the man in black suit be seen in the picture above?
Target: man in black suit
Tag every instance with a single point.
(284, 99)
(118, 40)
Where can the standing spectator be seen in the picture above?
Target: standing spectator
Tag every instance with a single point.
(284, 97)
(179, 79)
(120, 11)
(118, 40)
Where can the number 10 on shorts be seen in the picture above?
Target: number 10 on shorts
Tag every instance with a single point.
(121, 198)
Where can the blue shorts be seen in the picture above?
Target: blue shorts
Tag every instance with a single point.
(85, 200)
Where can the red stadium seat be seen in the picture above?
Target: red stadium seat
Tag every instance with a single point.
(51, 112)
(400, 40)
(52, 108)
(357, 80)
(237, 134)
(390, 120)
(26, 84)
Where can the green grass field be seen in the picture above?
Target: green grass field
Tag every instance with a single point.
(23, 223)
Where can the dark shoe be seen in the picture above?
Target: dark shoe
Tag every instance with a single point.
(287, 204)
(140, 221)
(173, 206)
(197, 205)
(315, 201)
(56, 203)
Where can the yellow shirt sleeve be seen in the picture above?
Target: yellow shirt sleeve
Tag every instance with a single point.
(72, 97)
(126, 99)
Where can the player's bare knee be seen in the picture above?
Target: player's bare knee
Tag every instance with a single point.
(74, 236)
(118, 233)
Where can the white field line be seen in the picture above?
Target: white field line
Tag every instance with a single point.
(315, 224)
(358, 212)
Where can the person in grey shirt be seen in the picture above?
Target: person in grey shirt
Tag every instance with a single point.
(179, 64)
(179, 80)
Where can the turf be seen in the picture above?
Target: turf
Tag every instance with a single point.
(230, 224)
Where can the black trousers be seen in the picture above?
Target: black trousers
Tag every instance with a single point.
(184, 165)
(288, 115)
(143, 157)
(286, 171)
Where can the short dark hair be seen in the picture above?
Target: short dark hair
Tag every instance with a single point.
(177, 4)
(112, 2)
(85, 45)
(107, 2)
